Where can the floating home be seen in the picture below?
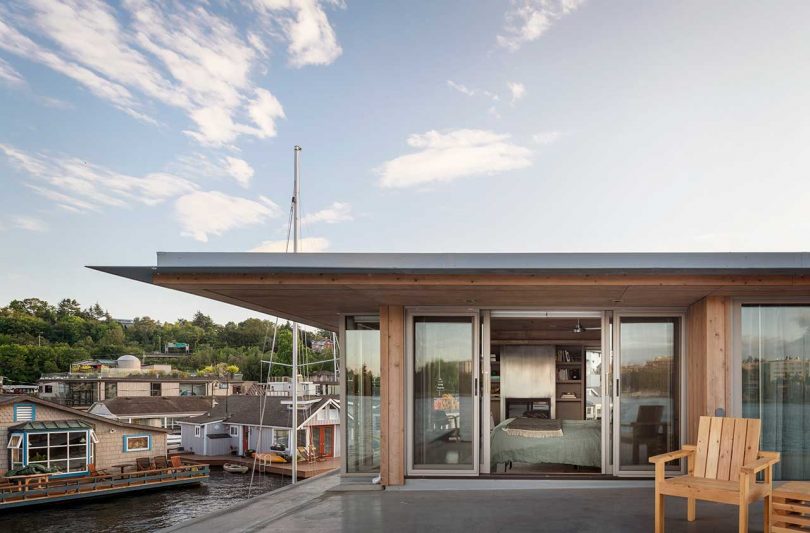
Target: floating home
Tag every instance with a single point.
(234, 427)
(86, 454)
(536, 364)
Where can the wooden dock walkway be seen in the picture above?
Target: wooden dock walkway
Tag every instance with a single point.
(51, 490)
(305, 470)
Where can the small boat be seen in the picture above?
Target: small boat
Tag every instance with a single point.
(235, 468)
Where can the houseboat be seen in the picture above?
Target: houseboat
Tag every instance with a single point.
(567, 364)
(56, 453)
(234, 427)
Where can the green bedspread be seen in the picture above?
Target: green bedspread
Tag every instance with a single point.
(580, 445)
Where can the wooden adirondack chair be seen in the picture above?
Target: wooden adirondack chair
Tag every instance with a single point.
(722, 468)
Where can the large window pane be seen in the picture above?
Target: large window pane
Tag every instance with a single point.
(362, 394)
(776, 382)
(443, 403)
(649, 390)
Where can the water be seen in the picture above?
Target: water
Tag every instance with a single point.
(144, 511)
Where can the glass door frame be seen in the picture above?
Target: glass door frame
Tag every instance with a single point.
(618, 314)
(606, 316)
(474, 314)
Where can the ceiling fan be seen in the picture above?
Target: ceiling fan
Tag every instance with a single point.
(579, 328)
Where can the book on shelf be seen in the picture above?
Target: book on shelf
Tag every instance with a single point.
(568, 396)
(568, 374)
(565, 356)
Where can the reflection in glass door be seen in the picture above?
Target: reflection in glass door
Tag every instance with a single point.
(649, 400)
(444, 397)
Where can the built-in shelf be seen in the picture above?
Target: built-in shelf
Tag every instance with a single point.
(569, 399)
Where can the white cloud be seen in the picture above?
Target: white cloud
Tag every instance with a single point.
(77, 185)
(29, 223)
(10, 76)
(307, 244)
(180, 55)
(201, 214)
(239, 169)
(337, 212)
(17, 43)
(463, 89)
(264, 111)
(451, 155)
(517, 90)
(311, 38)
(527, 20)
(546, 137)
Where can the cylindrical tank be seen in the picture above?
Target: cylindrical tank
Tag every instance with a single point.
(130, 362)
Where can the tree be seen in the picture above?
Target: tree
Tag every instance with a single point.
(68, 307)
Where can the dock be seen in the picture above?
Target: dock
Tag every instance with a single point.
(49, 490)
(305, 470)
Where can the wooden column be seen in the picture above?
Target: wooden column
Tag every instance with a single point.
(392, 394)
(707, 352)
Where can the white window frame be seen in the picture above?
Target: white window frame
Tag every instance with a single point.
(128, 449)
(197, 431)
(233, 431)
(11, 441)
(93, 437)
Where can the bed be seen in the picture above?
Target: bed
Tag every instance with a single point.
(579, 445)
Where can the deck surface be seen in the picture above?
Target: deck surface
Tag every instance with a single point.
(310, 507)
(305, 470)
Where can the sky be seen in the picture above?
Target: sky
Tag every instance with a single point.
(529, 125)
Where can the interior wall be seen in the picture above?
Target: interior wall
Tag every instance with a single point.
(527, 372)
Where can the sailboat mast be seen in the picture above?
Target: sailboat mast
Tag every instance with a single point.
(294, 384)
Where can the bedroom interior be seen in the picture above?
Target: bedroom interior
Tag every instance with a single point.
(546, 395)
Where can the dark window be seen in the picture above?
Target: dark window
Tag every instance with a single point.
(156, 389)
(110, 390)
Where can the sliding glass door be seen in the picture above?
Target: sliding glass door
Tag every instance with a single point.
(443, 394)
(776, 381)
(647, 393)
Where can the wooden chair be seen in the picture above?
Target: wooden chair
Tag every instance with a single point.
(305, 454)
(160, 462)
(649, 430)
(722, 468)
(143, 463)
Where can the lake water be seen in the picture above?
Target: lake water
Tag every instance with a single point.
(144, 511)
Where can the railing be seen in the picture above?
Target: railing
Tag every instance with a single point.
(12, 492)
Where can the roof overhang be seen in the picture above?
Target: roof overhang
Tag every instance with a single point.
(316, 288)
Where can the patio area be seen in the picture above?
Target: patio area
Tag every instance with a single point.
(311, 507)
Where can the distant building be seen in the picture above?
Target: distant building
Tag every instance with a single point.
(177, 347)
(154, 411)
(127, 379)
(234, 426)
(36, 431)
(126, 323)
(322, 345)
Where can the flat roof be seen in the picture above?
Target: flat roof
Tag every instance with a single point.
(466, 263)
(315, 288)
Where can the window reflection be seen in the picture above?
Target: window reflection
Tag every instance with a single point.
(649, 390)
(363, 394)
(443, 403)
(776, 382)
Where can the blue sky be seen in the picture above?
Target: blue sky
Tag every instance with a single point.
(533, 125)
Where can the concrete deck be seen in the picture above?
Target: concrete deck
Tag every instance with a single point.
(308, 508)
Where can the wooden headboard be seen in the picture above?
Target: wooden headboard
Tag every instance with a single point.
(517, 406)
